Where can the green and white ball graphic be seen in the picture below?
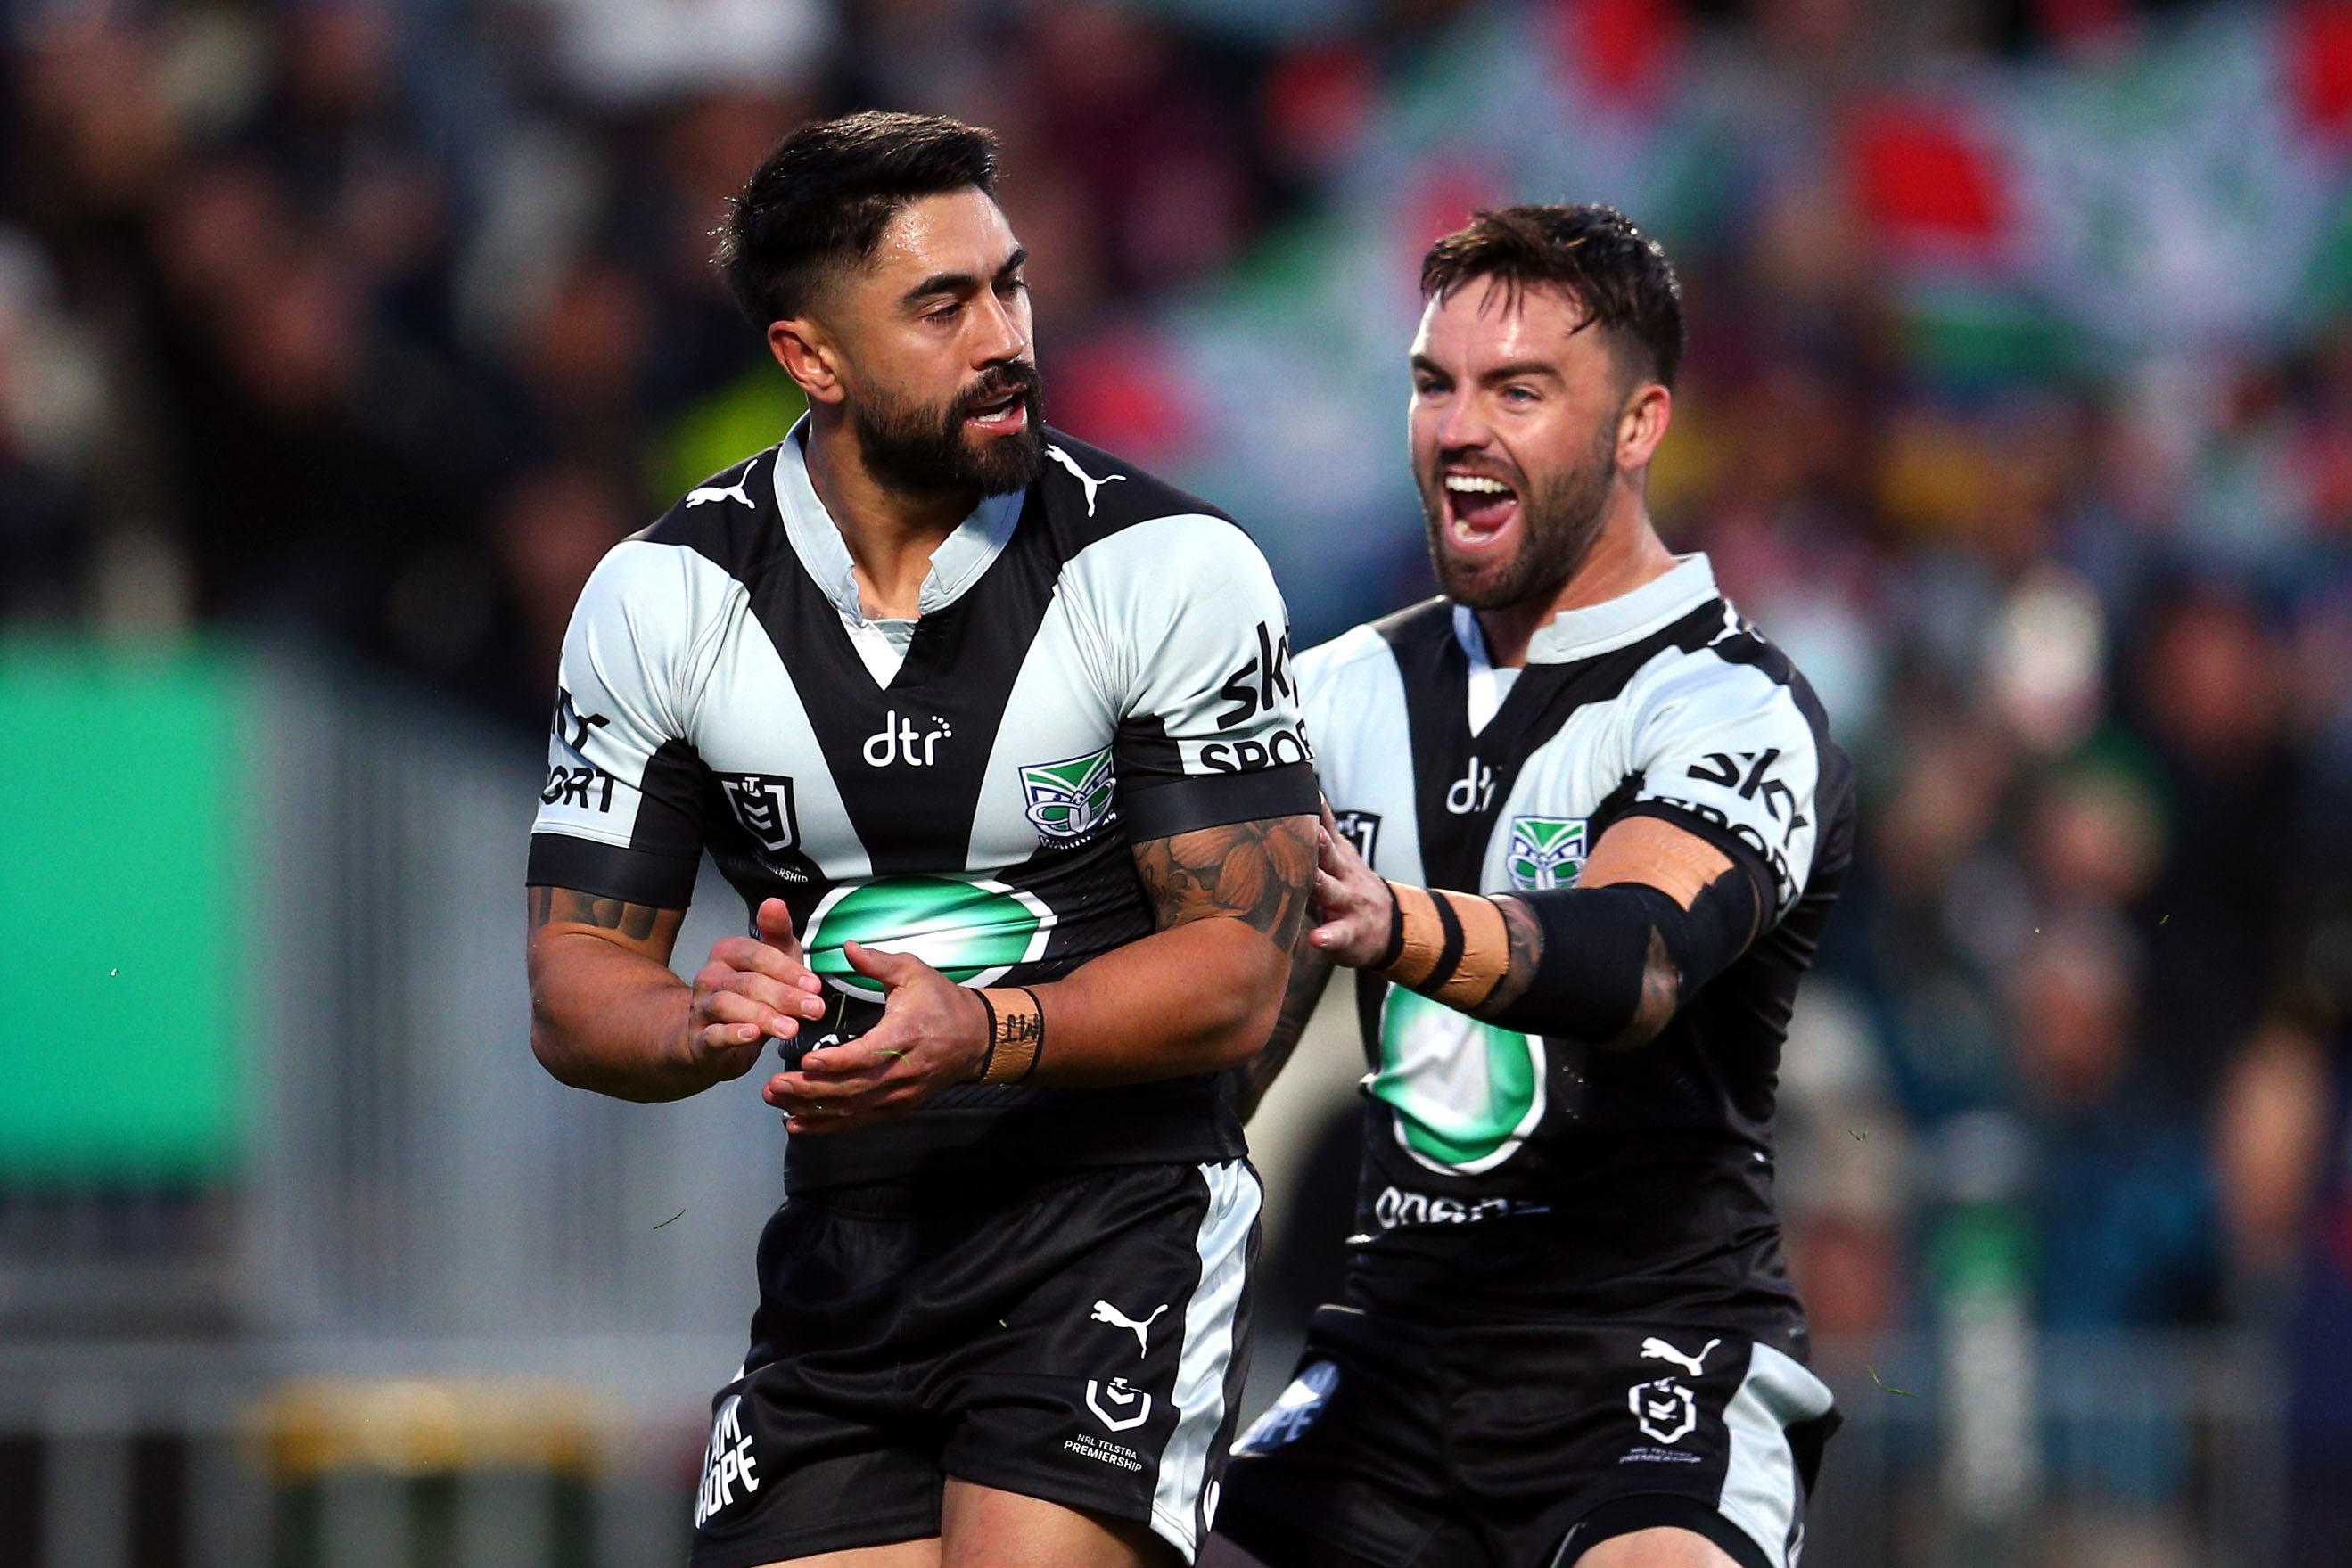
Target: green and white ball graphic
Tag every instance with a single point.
(970, 929)
(1464, 1092)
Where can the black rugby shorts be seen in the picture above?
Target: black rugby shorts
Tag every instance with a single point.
(1079, 1337)
(1523, 1445)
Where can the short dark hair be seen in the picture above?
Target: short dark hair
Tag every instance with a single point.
(819, 201)
(1615, 272)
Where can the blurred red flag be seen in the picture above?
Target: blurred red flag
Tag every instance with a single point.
(1919, 177)
(1622, 48)
(1316, 100)
(2318, 64)
(1112, 389)
(1447, 194)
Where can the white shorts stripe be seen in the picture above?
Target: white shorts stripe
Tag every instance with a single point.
(1224, 1244)
(1759, 1486)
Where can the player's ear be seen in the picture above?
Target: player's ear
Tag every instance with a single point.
(808, 355)
(1643, 424)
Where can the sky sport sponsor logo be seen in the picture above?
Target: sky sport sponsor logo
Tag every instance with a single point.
(571, 727)
(572, 786)
(1067, 801)
(727, 1462)
(1775, 856)
(1749, 775)
(1279, 750)
(1253, 689)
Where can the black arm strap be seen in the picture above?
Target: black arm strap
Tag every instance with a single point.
(1596, 949)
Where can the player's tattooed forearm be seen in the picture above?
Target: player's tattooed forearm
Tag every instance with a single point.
(1258, 872)
(1246, 1085)
(1524, 936)
(553, 905)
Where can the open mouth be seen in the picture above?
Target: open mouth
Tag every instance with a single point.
(1478, 509)
(1001, 417)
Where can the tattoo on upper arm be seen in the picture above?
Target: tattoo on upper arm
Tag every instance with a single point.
(563, 905)
(1260, 872)
(1525, 934)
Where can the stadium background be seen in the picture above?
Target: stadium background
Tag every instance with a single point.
(338, 339)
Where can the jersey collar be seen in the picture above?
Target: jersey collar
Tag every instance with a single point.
(956, 564)
(1596, 628)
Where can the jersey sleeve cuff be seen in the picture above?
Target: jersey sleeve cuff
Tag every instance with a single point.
(1163, 809)
(607, 871)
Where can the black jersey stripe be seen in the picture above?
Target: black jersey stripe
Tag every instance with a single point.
(910, 756)
(1834, 789)
(744, 542)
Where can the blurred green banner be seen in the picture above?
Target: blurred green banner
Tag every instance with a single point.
(123, 896)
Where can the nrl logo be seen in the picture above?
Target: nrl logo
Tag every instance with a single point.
(1664, 1410)
(1068, 800)
(763, 805)
(1546, 853)
(1133, 1404)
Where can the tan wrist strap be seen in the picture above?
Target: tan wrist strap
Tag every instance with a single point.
(1016, 1034)
(1453, 946)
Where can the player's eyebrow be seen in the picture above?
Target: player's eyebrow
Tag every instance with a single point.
(1515, 369)
(960, 283)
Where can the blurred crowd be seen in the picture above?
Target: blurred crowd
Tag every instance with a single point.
(2018, 408)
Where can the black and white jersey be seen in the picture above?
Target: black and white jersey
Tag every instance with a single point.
(1503, 1169)
(1099, 660)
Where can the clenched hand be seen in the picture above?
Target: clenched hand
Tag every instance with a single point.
(932, 1035)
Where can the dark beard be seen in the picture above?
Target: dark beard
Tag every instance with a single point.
(924, 452)
(1559, 520)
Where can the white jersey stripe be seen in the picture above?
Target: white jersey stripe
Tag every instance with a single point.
(1759, 1485)
(1224, 1244)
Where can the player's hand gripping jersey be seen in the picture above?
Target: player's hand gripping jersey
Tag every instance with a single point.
(1100, 661)
(1513, 1171)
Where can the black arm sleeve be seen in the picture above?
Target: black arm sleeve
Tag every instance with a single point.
(1596, 946)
